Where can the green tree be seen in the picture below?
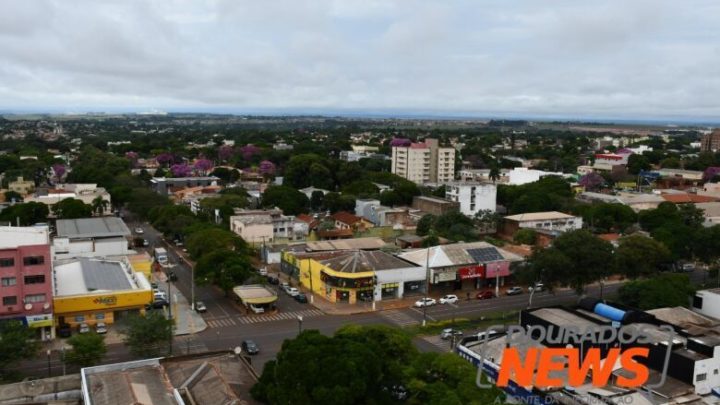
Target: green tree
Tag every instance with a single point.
(227, 176)
(707, 244)
(525, 236)
(71, 208)
(13, 196)
(17, 342)
(87, 349)
(608, 217)
(317, 199)
(210, 239)
(223, 268)
(143, 200)
(577, 258)
(361, 189)
(637, 163)
(28, 213)
(335, 202)
(487, 221)
(455, 226)
(99, 205)
(425, 224)
(664, 290)
(288, 199)
(149, 335)
(640, 256)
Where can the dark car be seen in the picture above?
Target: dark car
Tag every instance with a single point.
(273, 280)
(485, 295)
(302, 298)
(64, 330)
(157, 304)
(249, 347)
(171, 276)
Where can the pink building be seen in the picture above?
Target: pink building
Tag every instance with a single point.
(26, 277)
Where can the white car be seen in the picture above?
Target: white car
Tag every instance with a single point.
(292, 291)
(100, 328)
(257, 309)
(425, 302)
(449, 299)
(139, 231)
(538, 287)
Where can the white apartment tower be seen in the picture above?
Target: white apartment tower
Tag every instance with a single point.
(472, 196)
(424, 162)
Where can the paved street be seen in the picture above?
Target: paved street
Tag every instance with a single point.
(228, 325)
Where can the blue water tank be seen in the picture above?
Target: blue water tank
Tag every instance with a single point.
(609, 312)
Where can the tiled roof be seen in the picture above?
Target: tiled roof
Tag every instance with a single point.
(687, 198)
(346, 217)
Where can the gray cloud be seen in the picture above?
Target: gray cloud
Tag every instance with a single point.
(614, 59)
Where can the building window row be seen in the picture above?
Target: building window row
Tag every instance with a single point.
(37, 279)
(8, 281)
(27, 261)
(30, 298)
(12, 300)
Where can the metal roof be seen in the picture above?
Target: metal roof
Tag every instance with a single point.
(100, 227)
(102, 275)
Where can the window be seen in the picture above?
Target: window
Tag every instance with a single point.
(697, 302)
(10, 300)
(39, 279)
(715, 371)
(7, 262)
(33, 260)
(34, 298)
(8, 281)
(701, 377)
(79, 318)
(100, 317)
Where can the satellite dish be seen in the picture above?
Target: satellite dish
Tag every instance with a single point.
(46, 305)
(28, 307)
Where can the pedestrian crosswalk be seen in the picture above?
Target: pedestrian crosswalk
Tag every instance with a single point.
(249, 319)
(220, 323)
(280, 316)
(399, 317)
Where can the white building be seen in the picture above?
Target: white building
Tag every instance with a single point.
(473, 197)
(608, 161)
(522, 175)
(547, 221)
(87, 193)
(90, 237)
(264, 226)
(424, 162)
(707, 302)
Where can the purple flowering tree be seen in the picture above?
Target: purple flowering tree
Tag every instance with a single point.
(165, 158)
(132, 157)
(181, 170)
(711, 172)
(248, 151)
(400, 142)
(203, 166)
(59, 170)
(267, 168)
(591, 181)
(226, 152)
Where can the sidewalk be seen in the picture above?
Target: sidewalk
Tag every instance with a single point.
(187, 321)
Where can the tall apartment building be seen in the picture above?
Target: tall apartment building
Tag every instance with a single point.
(424, 162)
(711, 142)
(472, 196)
(26, 277)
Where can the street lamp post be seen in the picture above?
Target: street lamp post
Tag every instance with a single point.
(300, 319)
(49, 352)
(427, 285)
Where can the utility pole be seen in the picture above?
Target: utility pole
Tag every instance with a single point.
(170, 340)
(427, 285)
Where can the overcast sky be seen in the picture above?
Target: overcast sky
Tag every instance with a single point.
(625, 59)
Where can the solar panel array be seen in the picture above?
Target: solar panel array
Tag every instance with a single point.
(485, 255)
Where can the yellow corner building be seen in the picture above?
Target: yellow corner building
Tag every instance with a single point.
(94, 290)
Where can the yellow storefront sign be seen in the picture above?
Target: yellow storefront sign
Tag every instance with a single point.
(106, 301)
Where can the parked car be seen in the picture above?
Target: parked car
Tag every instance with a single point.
(249, 347)
(171, 276)
(447, 333)
(257, 309)
(200, 306)
(159, 295)
(284, 286)
(425, 302)
(262, 271)
(485, 295)
(301, 298)
(64, 330)
(100, 328)
(292, 291)
(514, 291)
(272, 280)
(84, 328)
(683, 266)
(159, 303)
(139, 231)
(537, 288)
(449, 299)
(154, 286)
(146, 243)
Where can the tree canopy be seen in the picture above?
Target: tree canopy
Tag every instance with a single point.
(17, 342)
(664, 290)
(87, 349)
(149, 335)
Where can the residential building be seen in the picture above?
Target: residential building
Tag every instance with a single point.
(210, 378)
(637, 201)
(282, 146)
(345, 220)
(90, 237)
(90, 290)
(609, 161)
(521, 175)
(380, 215)
(424, 162)
(22, 186)
(710, 142)
(163, 185)
(434, 205)
(265, 226)
(26, 278)
(547, 221)
(87, 193)
(365, 148)
(463, 266)
(483, 175)
(711, 212)
(356, 275)
(473, 197)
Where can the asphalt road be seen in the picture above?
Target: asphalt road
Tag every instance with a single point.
(229, 326)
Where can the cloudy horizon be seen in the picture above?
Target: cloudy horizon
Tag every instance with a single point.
(627, 60)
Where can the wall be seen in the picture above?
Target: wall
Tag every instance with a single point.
(310, 277)
(253, 233)
(20, 289)
(103, 303)
(65, 248)
(397, 276)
